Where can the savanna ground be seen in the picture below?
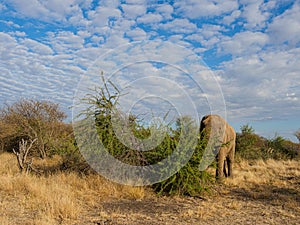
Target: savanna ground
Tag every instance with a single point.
(262, 192)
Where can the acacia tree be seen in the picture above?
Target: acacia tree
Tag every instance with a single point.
(30, 120)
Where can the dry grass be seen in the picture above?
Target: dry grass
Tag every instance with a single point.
(53, 198)
(262, 192)
(263, 172)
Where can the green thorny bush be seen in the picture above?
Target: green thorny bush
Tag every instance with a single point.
(187, 180)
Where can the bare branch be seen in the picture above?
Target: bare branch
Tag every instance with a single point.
(22, 154)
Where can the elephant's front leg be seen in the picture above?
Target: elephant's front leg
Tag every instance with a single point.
(220, 166)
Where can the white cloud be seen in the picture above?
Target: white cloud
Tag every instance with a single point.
(244, 43)
(133, 11)
(137, 34)
(183, 26)
(208, 35)
(135, 2)
(176, 38)
(78, 20)
(31, 71)
(165, 10)
(109, 3)
(37, 47)
(100, 17)
(136, 57)
(65, 41)
(116, 39)
(30, 8)
(252, 12)
(285, 27)
(86, 4)
(150, 18)
(199, 50)
(7, 47)
(209, 30)
(204, 8)
(18, 33)
(49, 10)
(261, 82)
(10, 23)
(232, 17)
(61, 8)
(123, 25)
(195, 37)
(83, 33)
(269, 5)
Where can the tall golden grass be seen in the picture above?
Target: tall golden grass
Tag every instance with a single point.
(59, 196)
(249, 173)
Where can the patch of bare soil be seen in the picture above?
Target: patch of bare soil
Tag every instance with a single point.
(258, 205)
(272, 198)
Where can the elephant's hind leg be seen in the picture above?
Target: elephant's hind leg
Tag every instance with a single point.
(229, 166)
(230, 161)
(224, 168)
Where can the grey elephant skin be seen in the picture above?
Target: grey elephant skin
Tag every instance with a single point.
(215, 127)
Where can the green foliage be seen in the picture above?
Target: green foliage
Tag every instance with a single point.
(187, 181)
(279, 148)
(252, 146)
(74, 161)
(247, 129)
(248, 144)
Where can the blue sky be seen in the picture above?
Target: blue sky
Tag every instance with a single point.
(251, 46)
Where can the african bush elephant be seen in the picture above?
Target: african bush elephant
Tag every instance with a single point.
(215, 127)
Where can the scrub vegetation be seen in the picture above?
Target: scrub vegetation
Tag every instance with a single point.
(46, 180)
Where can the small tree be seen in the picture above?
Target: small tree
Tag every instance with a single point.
(30, 120)
(248, 144)
(102, 108)
(247, 129)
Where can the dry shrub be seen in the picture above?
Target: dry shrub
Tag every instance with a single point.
(33, 119)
